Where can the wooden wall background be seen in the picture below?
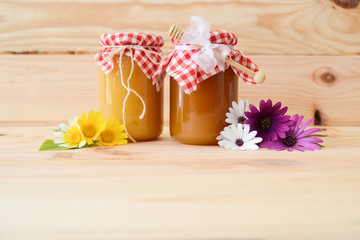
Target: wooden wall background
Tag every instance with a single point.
(308, 48)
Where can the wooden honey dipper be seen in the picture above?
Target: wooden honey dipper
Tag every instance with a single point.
(177, 32)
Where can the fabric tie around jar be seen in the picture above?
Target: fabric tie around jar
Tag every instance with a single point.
(190, 65)
(142, 48)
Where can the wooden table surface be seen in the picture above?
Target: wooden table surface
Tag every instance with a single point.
(162, 189)
(166, 190)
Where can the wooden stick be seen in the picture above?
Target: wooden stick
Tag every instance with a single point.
(177, 32)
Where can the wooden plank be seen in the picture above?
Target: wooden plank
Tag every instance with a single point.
(28, 139)
(263, 27)
(137, 192)
(51, 88)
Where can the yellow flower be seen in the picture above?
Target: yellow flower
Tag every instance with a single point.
(113, 134)
(69, 136)
(91, 126)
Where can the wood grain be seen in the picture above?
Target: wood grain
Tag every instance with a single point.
(263, 27)
(51, 88)
(163, 189)
(137, 191)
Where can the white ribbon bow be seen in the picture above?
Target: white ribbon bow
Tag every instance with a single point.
(210, 54)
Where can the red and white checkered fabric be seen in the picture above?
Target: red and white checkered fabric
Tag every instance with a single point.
(186, 72)
(147, 61)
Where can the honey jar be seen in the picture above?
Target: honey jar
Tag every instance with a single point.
(197, 118)
(127, 91)
(202, 84)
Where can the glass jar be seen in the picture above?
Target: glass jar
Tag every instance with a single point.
(112, 96)
(202, 84)
(127, 89)
(198, 118)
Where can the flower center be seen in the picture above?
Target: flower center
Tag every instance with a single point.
(107, 136)
(239, 142)
(290, 140)
(241, 119)
(265, 123)
(89, 131)
(75, 138)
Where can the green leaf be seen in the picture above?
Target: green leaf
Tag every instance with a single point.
(49, 145)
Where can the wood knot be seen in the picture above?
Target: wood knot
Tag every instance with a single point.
(317, 117)
(347, 3)
(325, 76)
(328, 77)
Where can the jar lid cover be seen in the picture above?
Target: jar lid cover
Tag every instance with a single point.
(143, 48)
(180, 63)
(131, 38)
(223, 37)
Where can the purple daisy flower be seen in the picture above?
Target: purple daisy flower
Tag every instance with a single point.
(269, 121)
(296, 138)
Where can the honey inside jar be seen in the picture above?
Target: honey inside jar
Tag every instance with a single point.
(197, 118)
(112, 96)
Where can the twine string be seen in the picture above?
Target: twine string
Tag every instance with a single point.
(120, 50)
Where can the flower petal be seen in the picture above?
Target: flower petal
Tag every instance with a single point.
(305, 125)
(71, 122)
(235, 108)
(299, 148)
(253, 109)
(290, 149)
(246, 104)
(236, 132)
(59, 134)
(225, 143)
(63, 127)
(309, 140)
(306, 144)
(58, 141)
(82, 120)
(255, 140)
(249, 136)
(307, 132)
(250, 121)
(232, 111)
(122, 142)
(279, 112)
(298, 123)
(276, 107)
(82, 144)
(281, 118)
(220, 137)
(276, 145)
(246, 130)
(263, 107)
(231, 121)
(229, 115)
(273, 135)
(250, 146)
(241, 108)
(229, 134)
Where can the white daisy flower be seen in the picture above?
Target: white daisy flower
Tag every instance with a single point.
(221, 136)
(236, 112)
(239, 137)
(69, 135)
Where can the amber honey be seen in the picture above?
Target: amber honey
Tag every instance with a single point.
(198, 117)
(112, 95)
